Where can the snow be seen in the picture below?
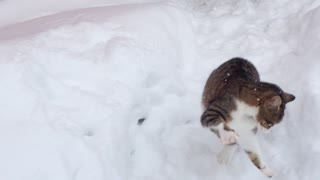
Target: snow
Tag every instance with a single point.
(13, 11)
(75, 83)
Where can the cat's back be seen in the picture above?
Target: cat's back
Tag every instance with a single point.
(227, 78)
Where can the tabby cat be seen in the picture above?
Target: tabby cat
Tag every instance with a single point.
(237, 104)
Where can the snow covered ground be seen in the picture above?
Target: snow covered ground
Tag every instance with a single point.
(75, 83)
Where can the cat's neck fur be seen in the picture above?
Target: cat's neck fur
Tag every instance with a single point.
(254, 94)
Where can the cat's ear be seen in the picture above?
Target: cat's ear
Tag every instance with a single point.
(274, 102)
(288, 97)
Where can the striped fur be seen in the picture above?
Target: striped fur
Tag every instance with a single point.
(213, 116)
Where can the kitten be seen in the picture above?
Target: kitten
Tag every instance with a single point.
(236, 104)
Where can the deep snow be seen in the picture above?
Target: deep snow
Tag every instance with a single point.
(74, 85)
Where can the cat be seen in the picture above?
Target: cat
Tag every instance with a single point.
(237, 104)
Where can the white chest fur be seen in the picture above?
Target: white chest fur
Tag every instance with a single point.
(244, 117)
(244, 120)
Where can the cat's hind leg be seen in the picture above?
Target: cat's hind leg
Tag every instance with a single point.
(256, 160)
(249, 143)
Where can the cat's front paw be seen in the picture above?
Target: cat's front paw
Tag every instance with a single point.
(267, 171)
(229, 137)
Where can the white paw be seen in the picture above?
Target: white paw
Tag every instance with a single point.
(229, 137)
(268, 172)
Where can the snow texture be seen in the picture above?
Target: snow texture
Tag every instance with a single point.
(95, 90)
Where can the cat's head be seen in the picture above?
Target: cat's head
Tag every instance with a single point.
(272, 108)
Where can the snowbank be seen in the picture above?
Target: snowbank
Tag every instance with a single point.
(75, 84)
(14, 11)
